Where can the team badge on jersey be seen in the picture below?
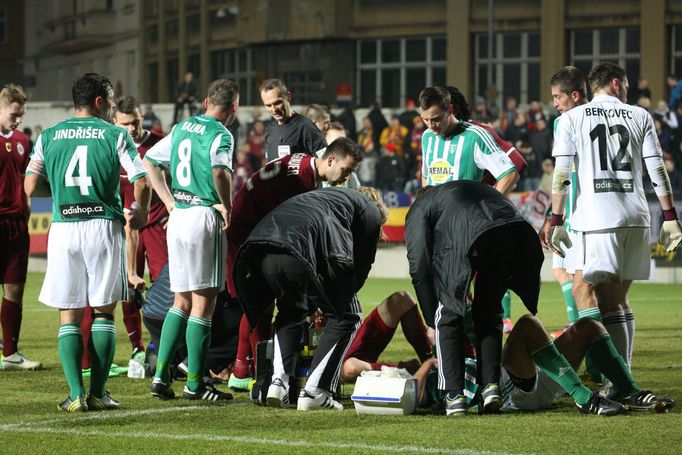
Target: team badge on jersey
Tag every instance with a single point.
(440, 171)
(8, 146)
(20, 149)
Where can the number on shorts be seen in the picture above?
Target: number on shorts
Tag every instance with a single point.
(265, 174)
(83, 181)
(182, 172)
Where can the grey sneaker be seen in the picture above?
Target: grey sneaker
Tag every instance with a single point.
(105, 403)
(455, 405)
(77, 405)
(492, 401)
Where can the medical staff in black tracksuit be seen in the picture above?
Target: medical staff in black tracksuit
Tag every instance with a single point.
(454, 232)
(314, 250)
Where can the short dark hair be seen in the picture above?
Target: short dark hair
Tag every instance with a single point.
(222, 93)
(89, 86)
(459, 103)
(569, 79)
(342, 147)
(279, 84)
(434, 96)
(602, 74)
(126, 105)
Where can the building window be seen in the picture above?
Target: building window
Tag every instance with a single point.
(617, 45)
(236, 64)
(515, 67)
(392, 70)
(3, 27)
(676, 50)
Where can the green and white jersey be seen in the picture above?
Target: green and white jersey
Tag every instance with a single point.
(570, 197)
(191, 151)
(81, 158)
(465, 155)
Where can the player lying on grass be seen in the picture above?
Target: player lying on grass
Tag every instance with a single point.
(537, 371)
(377, 331)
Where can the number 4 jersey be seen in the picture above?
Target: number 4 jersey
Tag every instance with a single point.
(191, 151)
(81, 159)
(608, 140)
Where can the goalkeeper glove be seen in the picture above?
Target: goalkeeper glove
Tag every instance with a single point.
(558, 235)
(671, 233)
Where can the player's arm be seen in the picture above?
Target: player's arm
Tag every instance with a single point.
(132, 163)
(221, 162)
(35, 179)
(489, 156)
(671, 232)
(419, 242)
(564, 153)
(132, 240)
(155, 160)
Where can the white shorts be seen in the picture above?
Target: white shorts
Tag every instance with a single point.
(197, 249)
(575, 256)
(542, 396)
(86, 264)
(558, 261)
(617, 255)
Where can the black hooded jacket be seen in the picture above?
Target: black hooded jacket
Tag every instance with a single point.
(333, 231)
(440, 229)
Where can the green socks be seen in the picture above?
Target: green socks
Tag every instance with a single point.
(506, 305)
(198, 339)
(102, 348)
(70, 346)
(611, 363)
(590, 366)
(571, 309)
(173, 328)
(555, 365)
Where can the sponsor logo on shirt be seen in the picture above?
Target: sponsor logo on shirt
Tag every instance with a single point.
(20, 149)
(440, 171)
(186, 197)
(613, 186)
(82, 210)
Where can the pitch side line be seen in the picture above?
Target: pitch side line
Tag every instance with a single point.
(45, 427)
(249, 440)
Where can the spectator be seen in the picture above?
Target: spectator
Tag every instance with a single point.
(150, 121)
(534, 114)
(242, 168)
(319, 115)
(256, 140)
(394, 134)
(408, 116)
(509, 114)
(347, 119)
(378, 121)
(367, 168)
(547, 172)
(664, 135)
(517, 131)
(390, 170)
(675, 91)
(641, 91)
(674, 174)
(186, 93)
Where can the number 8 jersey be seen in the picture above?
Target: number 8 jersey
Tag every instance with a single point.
(81, 159)
(608, 140)
(191, 151)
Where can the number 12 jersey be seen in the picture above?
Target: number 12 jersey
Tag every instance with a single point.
(608, 140)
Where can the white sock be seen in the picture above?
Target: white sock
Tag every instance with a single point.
(630, 324)
(614, 322)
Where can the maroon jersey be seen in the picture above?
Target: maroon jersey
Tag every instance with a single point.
(157, 210)
(271, 185)
(516, 157)
(14, 157)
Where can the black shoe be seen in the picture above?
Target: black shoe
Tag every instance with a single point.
(647, 401)
(599, 405)
(105, 403)
(206, 393)
(162, 390)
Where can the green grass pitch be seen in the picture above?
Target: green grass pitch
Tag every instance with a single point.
(30, 422)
